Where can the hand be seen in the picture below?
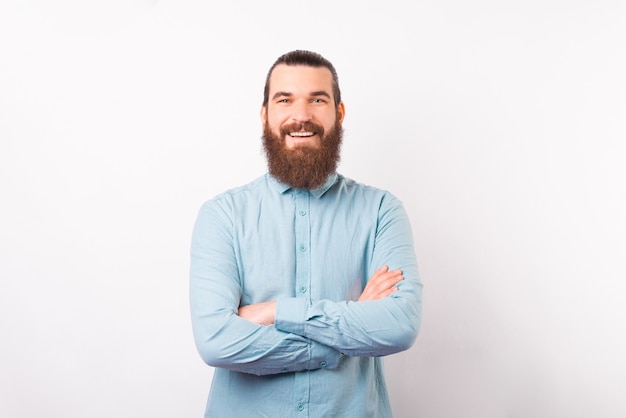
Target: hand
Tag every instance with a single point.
(382, 284)
(260, 313)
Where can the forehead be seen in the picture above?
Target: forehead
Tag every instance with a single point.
(300, 79)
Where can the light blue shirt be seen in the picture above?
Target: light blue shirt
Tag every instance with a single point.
(312, 252)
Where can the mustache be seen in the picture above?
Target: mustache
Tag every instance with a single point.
(302, 126)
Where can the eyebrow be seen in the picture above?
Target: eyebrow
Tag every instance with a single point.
(320, 93)
(287, 94)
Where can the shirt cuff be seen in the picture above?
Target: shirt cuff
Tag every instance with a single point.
(323, 357)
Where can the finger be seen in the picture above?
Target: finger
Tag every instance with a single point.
(387, 293)
(381, 283)
(383, 286)
(392, 291)
(384, 269)
(394, 276)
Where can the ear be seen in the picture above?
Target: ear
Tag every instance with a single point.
(341, 112)
(263, 114)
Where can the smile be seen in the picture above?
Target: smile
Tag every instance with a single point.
(301, 134)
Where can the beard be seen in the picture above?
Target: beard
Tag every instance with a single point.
(303, 167)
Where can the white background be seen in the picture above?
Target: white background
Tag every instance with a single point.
(501, 125)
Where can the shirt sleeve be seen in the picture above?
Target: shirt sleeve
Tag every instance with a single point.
(368, 328)
(223, 338)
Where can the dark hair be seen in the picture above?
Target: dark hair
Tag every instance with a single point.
(306, 58)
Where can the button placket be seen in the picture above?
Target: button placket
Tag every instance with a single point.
(303, 242)
(302, 228)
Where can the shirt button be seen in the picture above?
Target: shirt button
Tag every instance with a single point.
(323, 363)
(302, 248)
(302, 289)
(302, 212)
(300, 406)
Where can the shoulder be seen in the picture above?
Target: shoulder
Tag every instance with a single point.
(361, 190)
(259, 185)
(225, 204)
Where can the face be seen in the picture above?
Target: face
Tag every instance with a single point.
(302, 128)
(301, 106)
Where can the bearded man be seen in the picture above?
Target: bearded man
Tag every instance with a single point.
(303, 279)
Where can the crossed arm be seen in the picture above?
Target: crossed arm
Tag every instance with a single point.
(382, 284)
(385, 319)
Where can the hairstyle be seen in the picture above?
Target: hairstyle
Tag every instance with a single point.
(306, 58)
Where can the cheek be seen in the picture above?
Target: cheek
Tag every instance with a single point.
(330, 123)
(275, 120)
(271, 124)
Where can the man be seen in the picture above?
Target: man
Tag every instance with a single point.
(302, 279)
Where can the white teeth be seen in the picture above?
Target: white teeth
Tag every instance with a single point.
(301, 134)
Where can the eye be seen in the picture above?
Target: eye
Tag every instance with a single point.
(283, 101)
(317, 100)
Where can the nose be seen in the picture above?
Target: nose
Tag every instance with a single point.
(301, 112)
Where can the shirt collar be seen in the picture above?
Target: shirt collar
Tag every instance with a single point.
(319, 192)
